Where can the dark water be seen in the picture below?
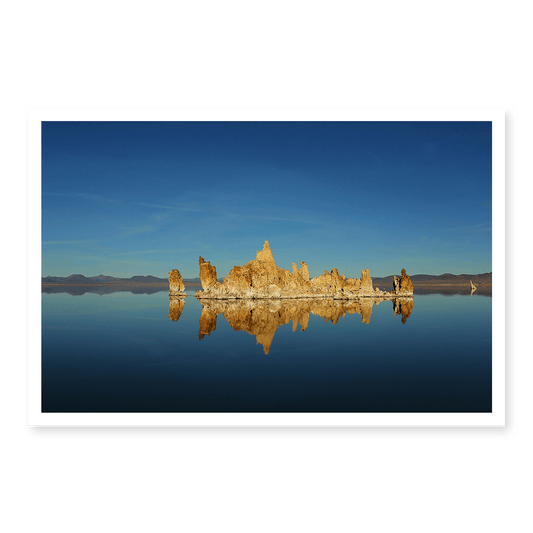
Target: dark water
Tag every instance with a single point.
(124, 352)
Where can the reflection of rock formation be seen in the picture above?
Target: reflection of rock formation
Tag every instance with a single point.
(263, 279)
(175, 308)
(402, 306)
(208, 321)
(263, 317)
(176, 285)
(333, 310)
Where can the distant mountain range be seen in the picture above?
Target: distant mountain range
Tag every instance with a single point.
(443, 279)
(101, 279)
(417, 279)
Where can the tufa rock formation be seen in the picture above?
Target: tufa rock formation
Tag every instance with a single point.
(262, 279)
(472, 288)
(208, 275)
(176, 285)
(403, 286)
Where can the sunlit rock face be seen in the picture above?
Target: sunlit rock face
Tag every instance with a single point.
(366, 281)
(208, 275)
(263, 317)
(175, 308)
(262, 279)
(403, 286)
(176, 285)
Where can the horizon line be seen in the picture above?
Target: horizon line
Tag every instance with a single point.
(146, 275)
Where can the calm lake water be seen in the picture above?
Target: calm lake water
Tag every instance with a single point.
(124, 352)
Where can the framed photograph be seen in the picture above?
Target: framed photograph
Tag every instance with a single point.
(266, 267)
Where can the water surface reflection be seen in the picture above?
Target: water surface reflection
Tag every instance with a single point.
(263, 317)
(175, 308)
(127, 352)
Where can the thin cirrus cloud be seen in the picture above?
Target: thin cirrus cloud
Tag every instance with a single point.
(227, 214)
(178, 208)
(137, 230)
(149, 252)
(94, 197)
(72, 242)
(475, 227)
(276, 219)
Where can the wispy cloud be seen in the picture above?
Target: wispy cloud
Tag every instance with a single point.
(137, 230)
(475, 227)
(214, 211)
(118, 254)
(277, 219)
(98, 198)
(94, 197)
(72, 242)
(178, 208)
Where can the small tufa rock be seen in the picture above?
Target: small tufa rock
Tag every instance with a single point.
(472, 288)
(176, 285)
(403, 286)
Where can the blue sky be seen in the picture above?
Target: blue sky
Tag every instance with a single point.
(127, 198)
